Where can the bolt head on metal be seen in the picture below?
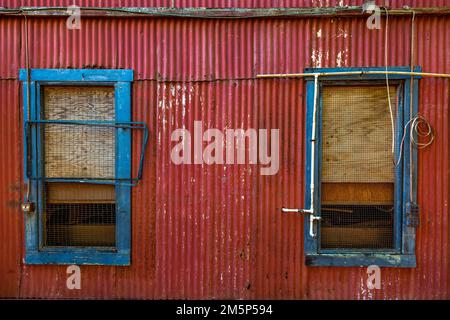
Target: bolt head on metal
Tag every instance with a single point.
(28, 207)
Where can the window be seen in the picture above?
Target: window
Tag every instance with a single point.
(360, 184)
(77, 146)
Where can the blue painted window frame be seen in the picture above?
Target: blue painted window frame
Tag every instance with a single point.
(35, 252)
(404, 234)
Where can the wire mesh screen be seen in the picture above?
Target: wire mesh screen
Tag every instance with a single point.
(78, 214)
(358, 173)
(357, 226)
(79, 151)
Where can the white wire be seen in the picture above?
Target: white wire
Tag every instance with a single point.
(411, 103)
(415, 131)
(416, 121)
(28, 115)
(387, 81)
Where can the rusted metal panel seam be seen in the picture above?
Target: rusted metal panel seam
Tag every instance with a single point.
(176, 80)
(221, 13)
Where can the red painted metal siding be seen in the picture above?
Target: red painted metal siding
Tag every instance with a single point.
(216, 231)
(10, 225)
(219, 3)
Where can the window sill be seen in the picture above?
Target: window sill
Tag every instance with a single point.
(79, 257)
(361, 260)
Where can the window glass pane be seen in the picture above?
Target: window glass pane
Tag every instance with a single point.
(358, 172)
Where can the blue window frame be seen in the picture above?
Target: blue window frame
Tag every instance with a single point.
(33, 80)
(403, 252)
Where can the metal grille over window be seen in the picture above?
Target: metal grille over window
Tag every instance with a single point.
(78, 214)
(358, 171)
(79, 151)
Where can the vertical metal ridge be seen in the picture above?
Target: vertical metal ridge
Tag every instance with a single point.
(10, 215)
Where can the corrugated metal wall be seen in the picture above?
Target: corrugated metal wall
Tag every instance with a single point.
(216, 231)
(220, 3)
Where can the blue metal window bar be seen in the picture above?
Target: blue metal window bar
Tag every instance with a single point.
(30, 125)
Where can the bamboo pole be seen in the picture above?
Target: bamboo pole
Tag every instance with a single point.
(344, 73)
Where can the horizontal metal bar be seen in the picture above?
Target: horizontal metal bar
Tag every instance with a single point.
(121, 125)
(348, 73)
(122, 182)
(361, 259)
(68, 76)
(220, 13)
(132, 125)
(289, 210)
(358, 251)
